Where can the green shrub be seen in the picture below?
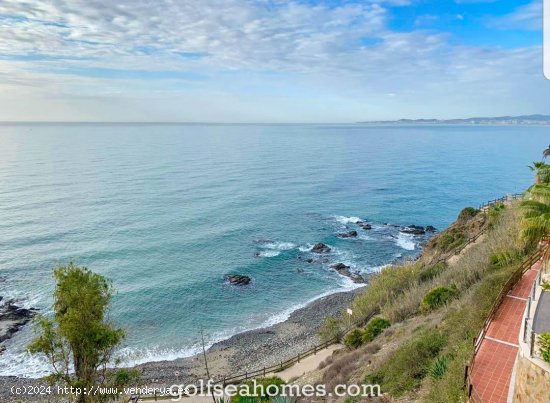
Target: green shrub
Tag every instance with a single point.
(354, 338)
(410, 363)
(544, 345)
(437, 297)
(374, 328)
(545, 286)
(467, 213)
(451, 239)
(246, 389)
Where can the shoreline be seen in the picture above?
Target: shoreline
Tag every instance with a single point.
(253, 349)
(244, 351)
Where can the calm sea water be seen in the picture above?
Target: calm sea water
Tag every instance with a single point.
(166, 211)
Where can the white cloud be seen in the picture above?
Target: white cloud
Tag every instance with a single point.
(527, 17)
(268, 60)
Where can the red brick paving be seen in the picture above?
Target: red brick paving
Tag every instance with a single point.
(507, 321)
(494, 361)
(492, 371)
(524, 286)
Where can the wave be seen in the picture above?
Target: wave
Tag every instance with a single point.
(269, 253)
(279, 245)
(347, 220)
(405, 241)
(23, 364)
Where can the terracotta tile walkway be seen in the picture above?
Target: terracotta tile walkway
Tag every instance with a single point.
(495, 359)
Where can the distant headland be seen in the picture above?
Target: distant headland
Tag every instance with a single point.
(502, 120)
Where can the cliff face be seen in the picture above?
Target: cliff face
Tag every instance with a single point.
(469, 224)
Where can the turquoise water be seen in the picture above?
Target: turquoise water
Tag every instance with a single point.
(166, 211)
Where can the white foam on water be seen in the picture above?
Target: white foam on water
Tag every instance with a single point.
(405, 241)
(23, 364)
(305, 248)
(269, 253)
(377, 269)
(347, 220)
(136, 356)
(279, 245)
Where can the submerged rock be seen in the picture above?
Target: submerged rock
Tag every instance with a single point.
(317, 261)
(320, 248)
(351, 234)
(238, 279)
(429, 228)
(13, 318)
(366, 227)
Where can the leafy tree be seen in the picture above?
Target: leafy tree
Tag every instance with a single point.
(535, 222)
(536, 210)
(78, 341)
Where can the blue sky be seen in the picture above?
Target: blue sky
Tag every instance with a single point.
(270, 60)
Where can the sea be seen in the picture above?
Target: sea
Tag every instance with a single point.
(166, 211)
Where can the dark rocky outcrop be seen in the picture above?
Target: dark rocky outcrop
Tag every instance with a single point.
(13, 318)
(413, 229)
(320, 248)
(343, 270)
(340, 267)
(366, 227)
(238, 279)
(431, 229)
(351, 234)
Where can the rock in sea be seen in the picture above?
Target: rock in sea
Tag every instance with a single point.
(238, 279)
(343, 270)
(13, 318)
(351, 234)
(413, 229)
(320, 248)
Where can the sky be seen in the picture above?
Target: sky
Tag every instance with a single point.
(273, 61)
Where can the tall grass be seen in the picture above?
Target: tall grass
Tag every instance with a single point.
(397, 293)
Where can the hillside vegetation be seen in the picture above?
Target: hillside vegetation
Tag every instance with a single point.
(434, 307)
